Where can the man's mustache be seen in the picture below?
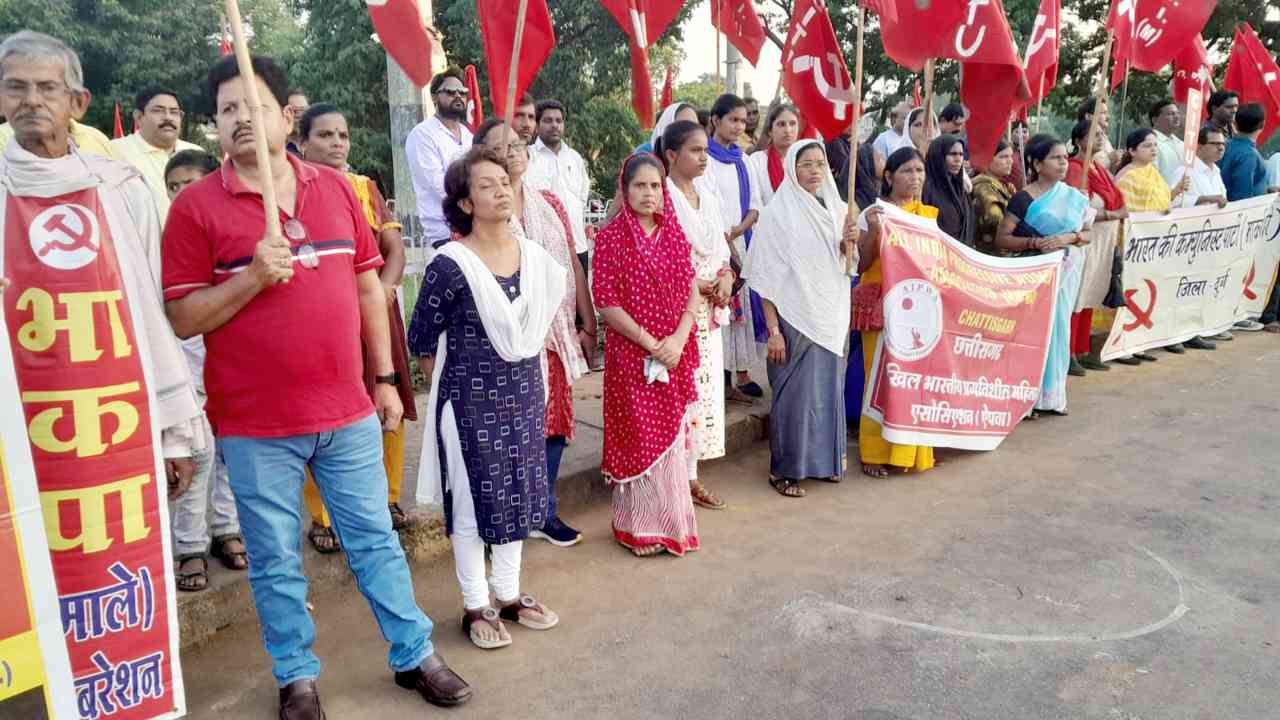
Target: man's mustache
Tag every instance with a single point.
(167, 124)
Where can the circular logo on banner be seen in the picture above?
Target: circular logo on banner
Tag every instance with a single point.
(912, 319)
(65, 236)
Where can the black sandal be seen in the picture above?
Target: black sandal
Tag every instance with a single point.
(231, 560)
(323, 539)
(186, 581)
(399, 520)
(786, 487)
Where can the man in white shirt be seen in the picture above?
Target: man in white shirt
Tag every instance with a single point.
(1165, 119)
(896, 136)
(158, 116)
(556, 167)
(1205, 188)
(432, 146)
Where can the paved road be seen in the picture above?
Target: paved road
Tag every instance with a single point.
(1120, 563)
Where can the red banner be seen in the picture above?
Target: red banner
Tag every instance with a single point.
(87, 406)
(965, 337)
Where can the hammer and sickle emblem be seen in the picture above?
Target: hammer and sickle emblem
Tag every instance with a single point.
(75, 240)
(1248, 280)
(1041, 34)
(1141, 317)
(841, 96)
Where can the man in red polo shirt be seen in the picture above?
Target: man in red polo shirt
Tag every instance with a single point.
(282, 320)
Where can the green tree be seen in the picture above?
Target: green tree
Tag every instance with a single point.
(701, 94)
(589, 71)
(339, 62)
(126, 45)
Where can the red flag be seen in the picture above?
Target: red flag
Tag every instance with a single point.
(403, 36)
(668, 89)
(1253, 73)
(738, 20)
(992, 83)
(498, 26)
(475, 103)
(643, 21)
(1151, 33)
(1041, 61)
(118, 131)
(918, 30)
(1191, 69)
(813, 70)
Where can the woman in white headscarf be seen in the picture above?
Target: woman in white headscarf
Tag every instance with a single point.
(800, 263)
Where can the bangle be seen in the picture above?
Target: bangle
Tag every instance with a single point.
(774, 330)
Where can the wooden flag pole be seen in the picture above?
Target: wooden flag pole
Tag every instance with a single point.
(851, 206)
(1124, 96)
(715, 9)
(1101, 97)
(928, 107)
(509, 113)
(269, 206)
(1040, 103)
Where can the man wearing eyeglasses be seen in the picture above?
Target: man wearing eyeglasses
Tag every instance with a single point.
(158, 116)
(283, 320)
(432, 146)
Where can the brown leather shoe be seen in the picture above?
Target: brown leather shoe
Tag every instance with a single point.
(299, 700)
(435, 682)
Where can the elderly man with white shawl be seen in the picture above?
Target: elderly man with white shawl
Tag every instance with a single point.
(800, 263)
(111, 225)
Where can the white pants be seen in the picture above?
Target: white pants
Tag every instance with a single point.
(468, 556)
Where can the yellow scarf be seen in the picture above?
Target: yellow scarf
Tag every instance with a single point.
(1144, 189)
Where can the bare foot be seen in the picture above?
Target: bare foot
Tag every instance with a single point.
(648, 550)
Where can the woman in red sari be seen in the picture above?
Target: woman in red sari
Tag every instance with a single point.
(644, 287)
(1106, 198)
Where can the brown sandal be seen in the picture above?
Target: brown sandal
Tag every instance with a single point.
(511, 612)
(231, 559)
(704, 497)
(875, 470)
(488, 615)
(323, 539)
(787, 487)
(189, 580)
(647, 550)
(399, 520)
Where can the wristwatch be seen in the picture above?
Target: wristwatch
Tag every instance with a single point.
(392, 379)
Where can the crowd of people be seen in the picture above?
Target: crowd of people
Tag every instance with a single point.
(729, 242)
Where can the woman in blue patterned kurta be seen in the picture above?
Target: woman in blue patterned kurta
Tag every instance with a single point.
(487, 400)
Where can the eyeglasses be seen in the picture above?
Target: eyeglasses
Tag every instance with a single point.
(454, 92)
(811, 165)
(162, 112)
(19, 89)
(306, 254)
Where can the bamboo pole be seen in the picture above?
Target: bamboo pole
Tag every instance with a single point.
(715, 23)
(269, 205)
(928, 107)
(1040, 103)
(509, 112)
(1124, 96)
(851, 206)
(1100, 93)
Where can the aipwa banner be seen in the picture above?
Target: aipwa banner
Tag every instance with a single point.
(1194, 271)
(965, 336)
(85, 411)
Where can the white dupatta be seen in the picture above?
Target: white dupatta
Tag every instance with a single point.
(517, 330)
(795, 261)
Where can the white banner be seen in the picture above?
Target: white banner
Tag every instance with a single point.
(1185, 272)
(1266, 260)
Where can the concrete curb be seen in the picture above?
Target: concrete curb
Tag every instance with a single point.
(229, 601)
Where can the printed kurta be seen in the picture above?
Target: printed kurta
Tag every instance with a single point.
(497, 406)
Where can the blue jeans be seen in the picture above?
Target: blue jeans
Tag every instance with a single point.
(555, 450)
(266, 477)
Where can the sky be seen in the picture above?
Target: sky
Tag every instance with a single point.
(700, 52)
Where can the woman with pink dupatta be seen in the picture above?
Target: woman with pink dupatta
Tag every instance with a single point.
(644, 287)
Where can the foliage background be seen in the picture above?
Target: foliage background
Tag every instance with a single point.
(326, 45)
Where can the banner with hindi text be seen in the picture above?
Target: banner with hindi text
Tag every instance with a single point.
(86, 403)
(1186, 272)
(1262, 274)
(35, 673)
(965, 336)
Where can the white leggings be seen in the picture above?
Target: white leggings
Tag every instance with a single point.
(468, 557)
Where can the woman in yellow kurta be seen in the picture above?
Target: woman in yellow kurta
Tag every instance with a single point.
(326, 141)
(903, 183)
(1144, 188)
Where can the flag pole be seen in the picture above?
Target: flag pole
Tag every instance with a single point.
(1124, 96)
(715, 23)
(245, 63)
(850, 207)
(928, 106)
(1100, 95)
(1040, 103)
(509, 112)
